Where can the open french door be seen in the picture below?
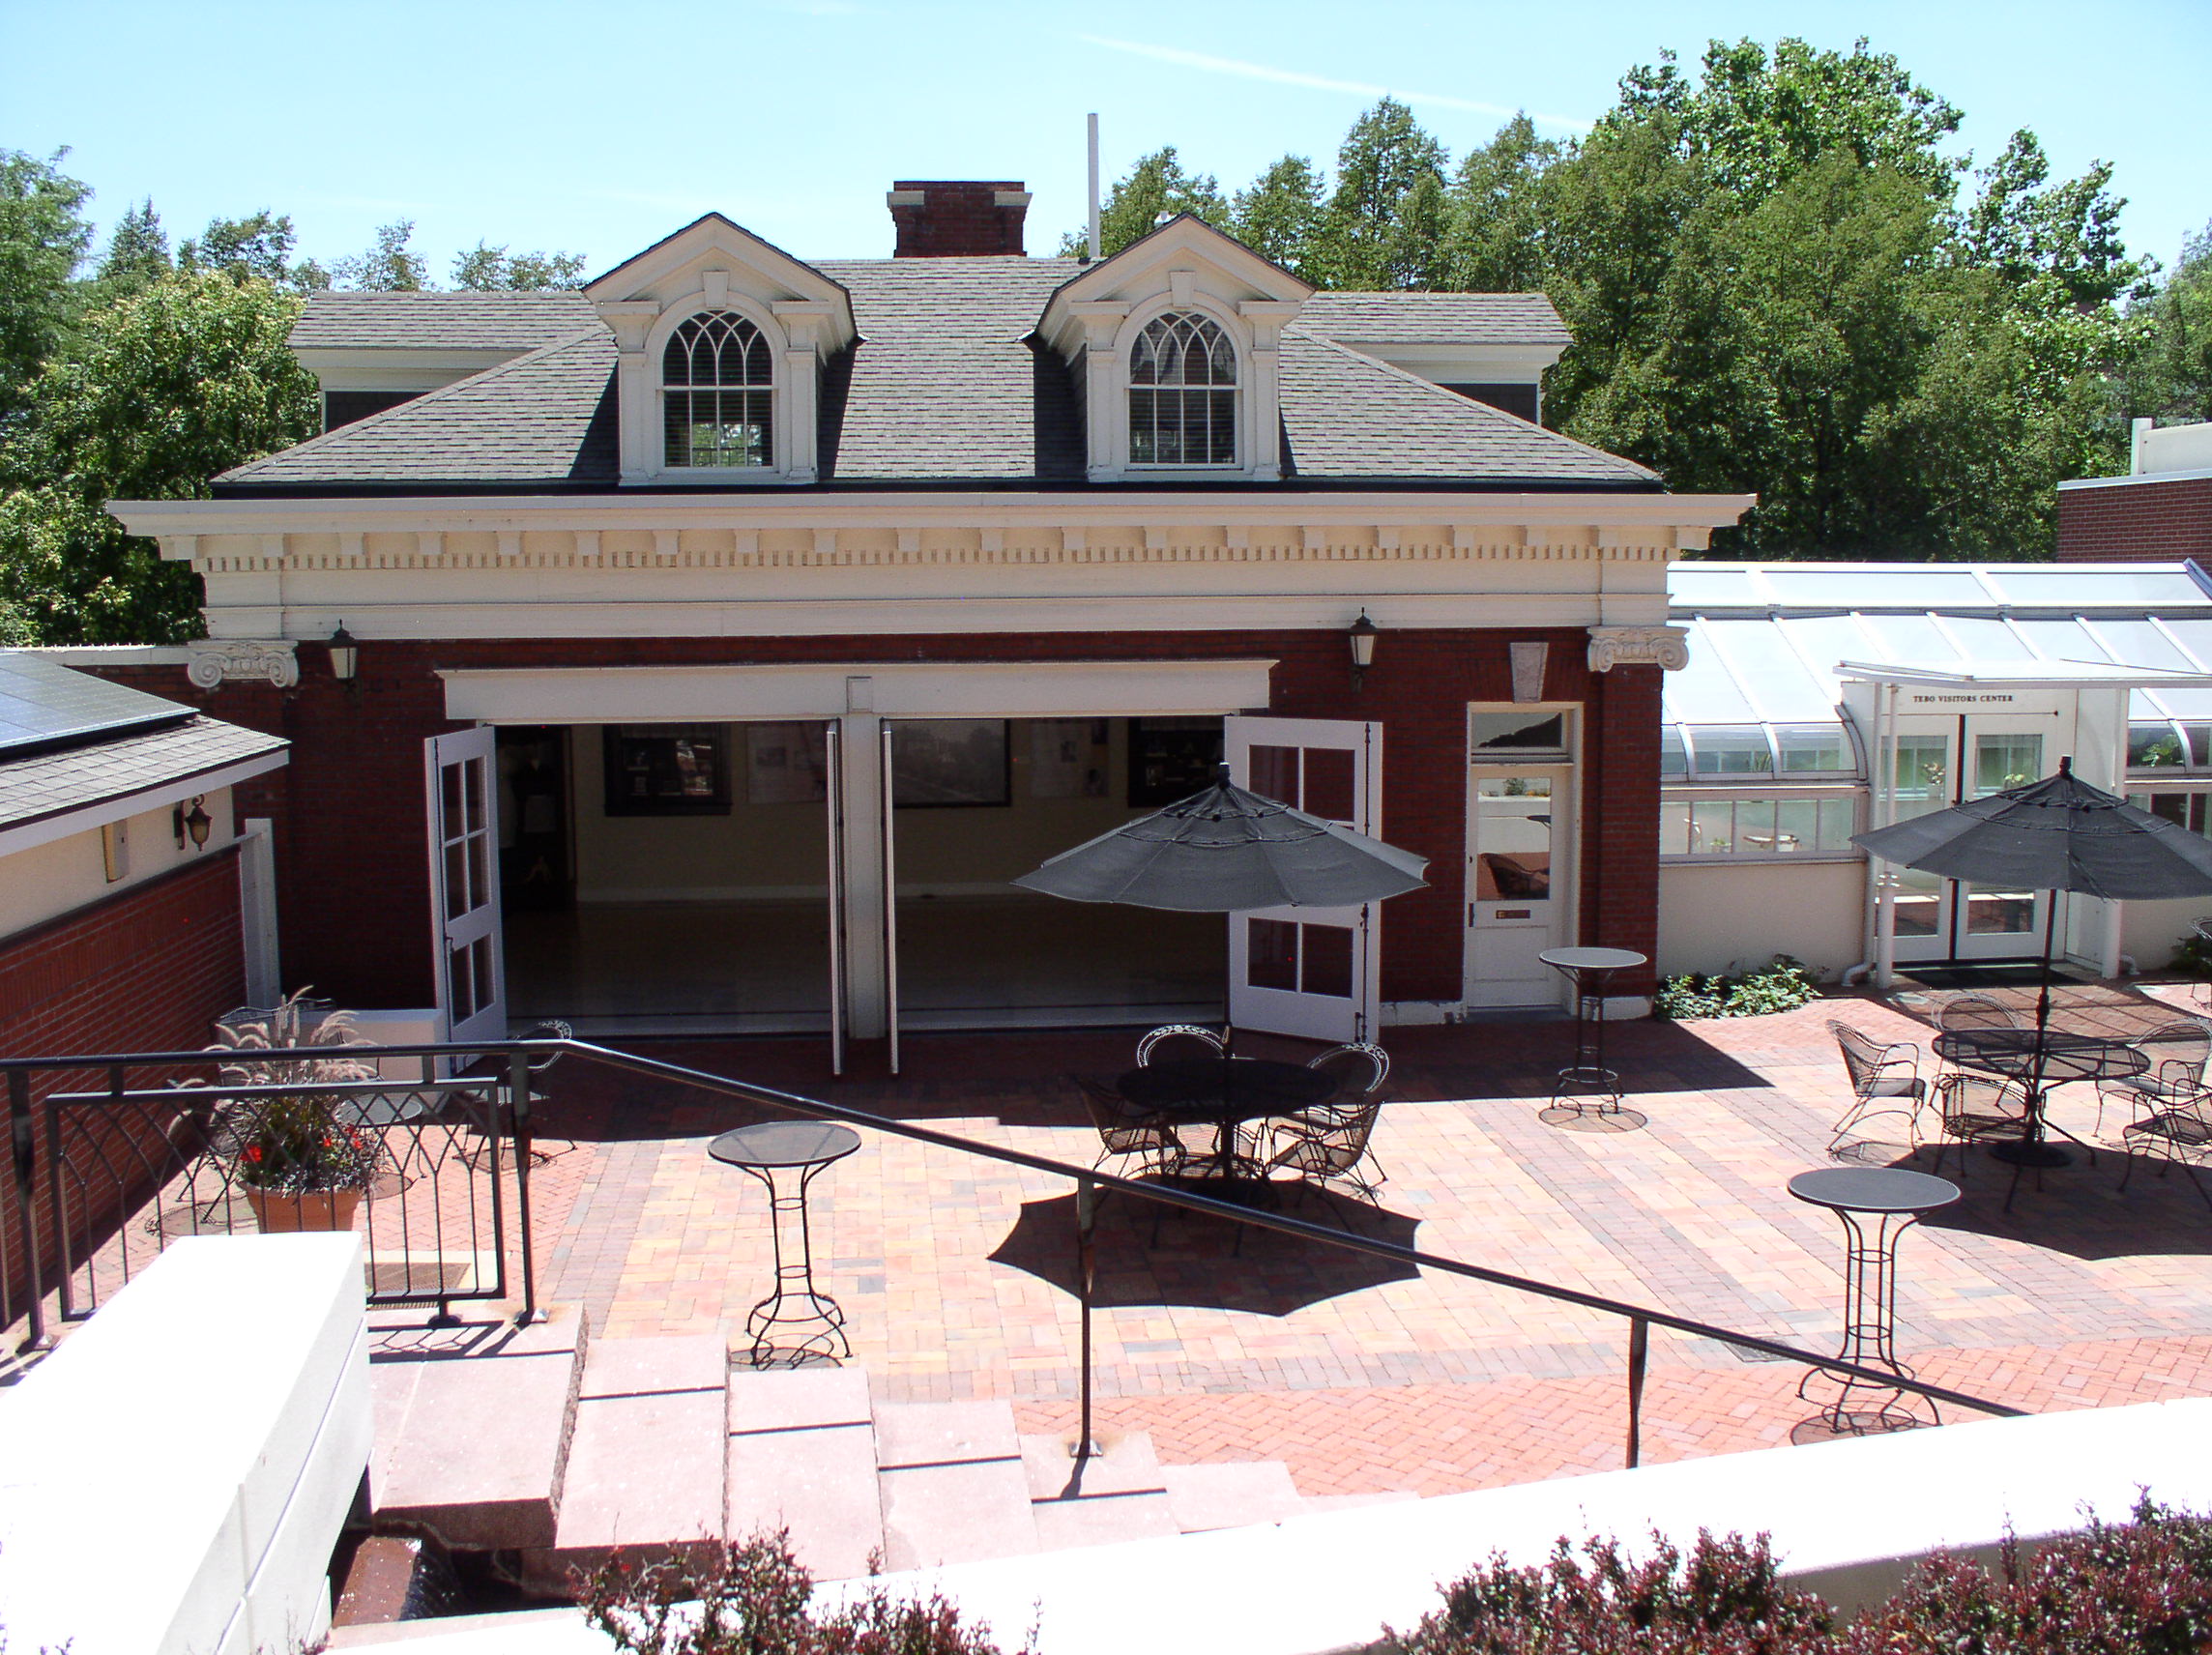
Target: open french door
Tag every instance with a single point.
(1310, 972)
(464, 883)
(833, 808)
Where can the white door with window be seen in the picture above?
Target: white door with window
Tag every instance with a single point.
(1518, 821)
(464, 883)
(2000, 922)
(1310, 972)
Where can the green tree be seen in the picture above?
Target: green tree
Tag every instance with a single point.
(1387, 164)
(1494, 239)
(43, 237)
(388, 266)
(1155, 189)
(2169, 374)
(1278, 215)
(484, 268)
(2028, 231)
(137, 252)
(259, 246)
(150, 398)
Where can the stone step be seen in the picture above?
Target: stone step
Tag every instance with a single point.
(1116, 1494)
(952, 1482)
(472, 1426)
(802, 1459)
(1231, 1495)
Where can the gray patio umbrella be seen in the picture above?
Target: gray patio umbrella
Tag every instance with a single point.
(1224, 851)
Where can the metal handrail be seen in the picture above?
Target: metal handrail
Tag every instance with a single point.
(1092, 1186)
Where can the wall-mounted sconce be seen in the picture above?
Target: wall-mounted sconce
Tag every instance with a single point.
(1361, 638)
(1527, 670)
(345, 654)
(195, 824)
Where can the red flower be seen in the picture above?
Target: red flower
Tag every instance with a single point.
(253, 1152)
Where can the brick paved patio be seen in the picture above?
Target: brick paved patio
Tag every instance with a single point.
(954, 1270)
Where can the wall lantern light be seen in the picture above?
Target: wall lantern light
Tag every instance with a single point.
(195, 824)
(1361, 637)
(345, 654)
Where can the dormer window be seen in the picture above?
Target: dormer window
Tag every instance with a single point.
(1183, 393)
(718, 398)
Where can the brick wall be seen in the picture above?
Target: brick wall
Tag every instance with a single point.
(956, 218)
(353, 872)
(2151, 521)
(147, 970)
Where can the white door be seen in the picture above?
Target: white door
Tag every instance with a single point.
(1517, 854)
(833, 808)
(2000, 922)
(889, 842)
(464, 883)
(1312, 972)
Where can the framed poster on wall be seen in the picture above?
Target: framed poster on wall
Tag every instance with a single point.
(1170, 759)
(668, 770)
(950, 762)
(786, 763)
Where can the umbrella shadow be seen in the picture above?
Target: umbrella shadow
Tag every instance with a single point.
(1199, 1261)
(2079, 1210)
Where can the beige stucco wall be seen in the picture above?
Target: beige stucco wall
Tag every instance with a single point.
(51, 880)
(1742, 915)
(2150, 931)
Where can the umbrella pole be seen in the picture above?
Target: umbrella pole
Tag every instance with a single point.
(2043, 1009)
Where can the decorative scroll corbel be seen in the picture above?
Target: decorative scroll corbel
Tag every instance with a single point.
(217, 661)
(1666, 647)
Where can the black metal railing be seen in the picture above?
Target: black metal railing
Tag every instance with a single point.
(1092, 1186)
(114, 1157)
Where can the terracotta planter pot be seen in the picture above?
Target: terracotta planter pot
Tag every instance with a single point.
(281, 1215)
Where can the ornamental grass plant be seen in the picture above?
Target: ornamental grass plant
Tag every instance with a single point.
(299, 1143)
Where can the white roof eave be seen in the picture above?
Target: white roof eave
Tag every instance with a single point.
(2024, 675)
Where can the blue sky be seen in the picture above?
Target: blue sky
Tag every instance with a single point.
(600, 127)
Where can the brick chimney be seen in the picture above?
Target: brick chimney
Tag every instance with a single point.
(958, 218)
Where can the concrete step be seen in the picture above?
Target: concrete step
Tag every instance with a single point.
(1118, 1494)
(1231, 1495)
(802, 1459)
(472, 1426)
(952, 1482)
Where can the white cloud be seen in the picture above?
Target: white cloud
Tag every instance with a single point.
(1318, 83)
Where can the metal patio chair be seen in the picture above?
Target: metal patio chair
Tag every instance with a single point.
(1976, 1109)
(2178, 1051)
(1885, 1080)
(1151, 1138)
(2179, 1131)
(1337, 1151)
(1173, 1040)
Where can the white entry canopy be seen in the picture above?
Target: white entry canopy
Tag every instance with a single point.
(2024, 675)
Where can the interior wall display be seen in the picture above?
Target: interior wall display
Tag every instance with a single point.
(1170, 759)
(668, 770)
(950, 762)
(787, 764)
(1068, 758)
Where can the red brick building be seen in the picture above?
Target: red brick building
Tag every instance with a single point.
(720, 640)
(2162, 511)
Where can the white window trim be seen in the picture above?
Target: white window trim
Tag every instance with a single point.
(779, 399)
(1239, 332)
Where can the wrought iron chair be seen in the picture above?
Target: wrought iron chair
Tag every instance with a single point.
(1337, 1151)
(1179, 1040)
(2178, 1131)
(1975, 1109)
(2178, 1051)
(1148, 1136)
(1976, 1012)
(1358, 1069)
(1885, 1080)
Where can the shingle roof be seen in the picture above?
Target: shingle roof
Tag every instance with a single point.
(546, 419)
(947, 386)
(1434, 318)
(440, 321)
(1348, 416)
(55, 783)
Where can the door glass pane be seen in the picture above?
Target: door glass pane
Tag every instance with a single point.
(460, 988)
(449, 792)
(1712, 830)
(1328, 783)
(1923, 774)
(473, 794)
(1273, 773)
(1919, 903)
(1272, 960)
(1327, 959)
(1513, 836)
(1798, 827)
(2002, 761)
(1755, 826)
(479, 970)
(1999, 911)
(479, 869)
(457, 880)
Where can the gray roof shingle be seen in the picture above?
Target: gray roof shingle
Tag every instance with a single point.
(52, 784)
(440, 321)
(947, 386)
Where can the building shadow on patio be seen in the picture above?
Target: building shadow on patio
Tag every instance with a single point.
(1199, 1262)
(2079, 1210)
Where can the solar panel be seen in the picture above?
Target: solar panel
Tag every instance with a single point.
(43, 705)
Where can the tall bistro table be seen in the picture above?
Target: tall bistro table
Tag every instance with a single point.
(2039, 1063)
(787, 1157)
(1877, 1206)
(1591, 971)
(1224, 1093)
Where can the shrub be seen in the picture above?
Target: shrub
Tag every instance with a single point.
(1783, 985)
(751, 1598)
(2192, 957)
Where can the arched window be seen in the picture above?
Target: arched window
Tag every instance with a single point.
(1183, 393)
(717, 377)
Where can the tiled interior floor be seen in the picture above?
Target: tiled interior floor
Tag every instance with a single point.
(955, 1272)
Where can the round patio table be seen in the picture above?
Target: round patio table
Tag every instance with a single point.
(1223, 1094)
(2039, 1063)
(1877, 1205)
(1591, 971)
(799, 1150)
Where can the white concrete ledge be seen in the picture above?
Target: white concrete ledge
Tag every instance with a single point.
(173, 1478)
